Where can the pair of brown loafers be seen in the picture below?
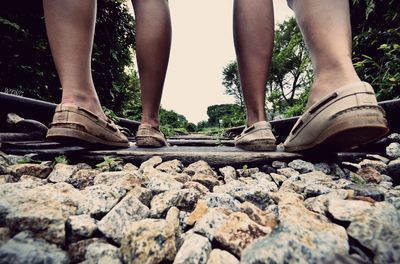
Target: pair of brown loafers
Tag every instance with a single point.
(348, 117)
(74, 124)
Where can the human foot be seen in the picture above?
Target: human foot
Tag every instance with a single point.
(347, 117)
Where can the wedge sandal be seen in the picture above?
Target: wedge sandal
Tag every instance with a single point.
(257, 137)
(347, 118)
(76, 125)
(150, 137)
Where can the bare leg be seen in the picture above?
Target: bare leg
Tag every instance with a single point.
(253, 29)
(325, 25)
(153, 44)
(70, 28)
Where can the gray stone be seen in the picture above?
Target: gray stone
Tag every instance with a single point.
(82, 178)
(123, 179)
(43, 210)
(337, 171)
(367, 191)
(77, 250)
(319, 204)
(99, 200)
(301, 166)
(316, 190)
(238, 231)
(229, 173)
(393, 150)
(194, 250)
(5, 235)
(185, 199)
(264, 218)
(206, 179)
(36, 170)
(102, 253)
(62, 172)
(130, 167)
(278, 178)
(158, 185)
(195, 185)
(81, 226)
(370, 223)
(247, 172)
(172, 166)
(199, 167)
(376, 164)
(209, 222)
(393, 170)
(278, 164)
(128, 210)
(288, 172)
(144, 195)
(387, 252)
(301, 237)
(268, 169)
(222, 200)
(25, 248)
(395, 137)
(369, 174)
(218, 256)
(149, 241)
(152, 162)
(322, 166)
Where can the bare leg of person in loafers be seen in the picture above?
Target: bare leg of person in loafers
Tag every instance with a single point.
(341, 112)
(79, 118)
(253, 27)
(153, 44)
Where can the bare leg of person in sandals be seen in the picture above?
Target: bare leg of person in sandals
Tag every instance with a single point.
(342, 111)
(70, 28)
(153, 44)
(253, 28)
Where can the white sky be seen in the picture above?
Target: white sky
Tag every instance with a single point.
(202, 44)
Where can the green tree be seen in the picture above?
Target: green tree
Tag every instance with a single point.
(231, 81)
(26, 64)
(290, 76)
(376, 45)
(225, 115)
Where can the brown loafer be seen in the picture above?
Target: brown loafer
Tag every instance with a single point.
(150, 137)
(348, 117)
(257, 137)
(75, 124)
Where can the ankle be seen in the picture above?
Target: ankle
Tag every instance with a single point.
(88, 102)
(150, 121)
(324, 84)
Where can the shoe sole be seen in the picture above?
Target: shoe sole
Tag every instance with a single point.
(149, 142)
(258, 145)
(347, 133)
(69, 135)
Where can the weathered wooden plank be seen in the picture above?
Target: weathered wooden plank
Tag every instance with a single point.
(205, 142)
(215, 156)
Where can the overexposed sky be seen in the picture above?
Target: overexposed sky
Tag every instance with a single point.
(202, 44)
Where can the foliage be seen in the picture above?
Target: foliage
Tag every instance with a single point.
(376, 45)
(291, 74)
(26, 64)
(225, 115)
(231, 81)
(109, 164)
(61, 159)
(289, 78)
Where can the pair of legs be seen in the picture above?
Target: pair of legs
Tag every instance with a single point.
(70, 26)
(325, 25)
(326, 29)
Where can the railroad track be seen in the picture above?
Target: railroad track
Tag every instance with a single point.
(28, 136)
